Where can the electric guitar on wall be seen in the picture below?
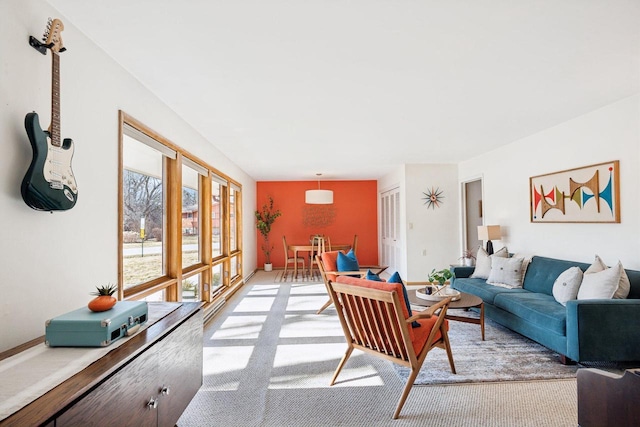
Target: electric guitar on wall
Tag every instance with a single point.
(49, 184)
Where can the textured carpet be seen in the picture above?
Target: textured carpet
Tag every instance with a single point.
(503, 356)
(268, 361)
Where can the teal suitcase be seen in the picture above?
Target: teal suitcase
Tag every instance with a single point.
(85, 328)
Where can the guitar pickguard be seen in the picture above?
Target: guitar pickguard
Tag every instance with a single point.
(49, 184)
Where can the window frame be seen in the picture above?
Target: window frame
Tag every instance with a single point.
(174, 272)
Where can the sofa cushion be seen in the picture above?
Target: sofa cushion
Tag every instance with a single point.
(540, 309)
(480, 288)
(600, 285)
(624, 286)
(566, 286)
(543, 272)
(483, 262)
(506, 272)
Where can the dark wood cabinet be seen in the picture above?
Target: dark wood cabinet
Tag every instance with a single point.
(147, 381)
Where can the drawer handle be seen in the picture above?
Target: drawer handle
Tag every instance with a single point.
(153, 403)
(165, 390)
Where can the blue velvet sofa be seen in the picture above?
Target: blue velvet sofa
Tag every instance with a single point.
(583, 331)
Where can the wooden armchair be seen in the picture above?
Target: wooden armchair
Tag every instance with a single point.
(328, 270)
(375, 319)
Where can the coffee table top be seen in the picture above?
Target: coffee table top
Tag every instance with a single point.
(465, 301)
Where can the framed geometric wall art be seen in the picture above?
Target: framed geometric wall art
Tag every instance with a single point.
(586, 194)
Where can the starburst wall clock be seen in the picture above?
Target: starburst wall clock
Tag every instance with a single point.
(433, 198)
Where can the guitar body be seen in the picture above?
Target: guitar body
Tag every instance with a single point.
(49, 184)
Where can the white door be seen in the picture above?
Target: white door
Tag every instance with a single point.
(390, 222)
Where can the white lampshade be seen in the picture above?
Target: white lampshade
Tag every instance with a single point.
(318, 197)
(489, 232)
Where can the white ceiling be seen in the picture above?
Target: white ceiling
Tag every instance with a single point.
(353, 88)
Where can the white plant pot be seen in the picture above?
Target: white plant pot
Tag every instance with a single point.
(468, 262)
(268, 267)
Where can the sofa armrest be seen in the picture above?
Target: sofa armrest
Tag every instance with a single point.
(461, 272)
(603, 330)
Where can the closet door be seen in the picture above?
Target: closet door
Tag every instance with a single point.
(390, 227)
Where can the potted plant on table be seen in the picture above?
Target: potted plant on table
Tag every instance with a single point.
(439, 279)
(264, 220)
(468, 258)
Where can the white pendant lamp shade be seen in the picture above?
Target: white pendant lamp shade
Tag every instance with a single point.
(318, 197)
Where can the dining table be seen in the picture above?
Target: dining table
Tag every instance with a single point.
(308, 247)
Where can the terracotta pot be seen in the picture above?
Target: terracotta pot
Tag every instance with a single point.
(102, 303)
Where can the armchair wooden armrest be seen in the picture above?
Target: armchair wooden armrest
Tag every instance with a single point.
(430, 311)
(347, 273)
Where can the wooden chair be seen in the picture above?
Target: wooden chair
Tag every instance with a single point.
(354, 245)
(318, 245)
(291, 260)
(327, 265)
(375, 319)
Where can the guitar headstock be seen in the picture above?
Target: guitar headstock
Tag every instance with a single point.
(52, 36)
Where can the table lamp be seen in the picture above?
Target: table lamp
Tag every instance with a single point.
(489, 233)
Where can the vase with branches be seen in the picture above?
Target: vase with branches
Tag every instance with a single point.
(264, 220)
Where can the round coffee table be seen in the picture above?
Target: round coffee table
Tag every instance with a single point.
(466, 302)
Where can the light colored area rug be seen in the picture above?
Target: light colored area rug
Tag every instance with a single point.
(503, 356)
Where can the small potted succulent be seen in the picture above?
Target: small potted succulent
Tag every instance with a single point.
(104, 300)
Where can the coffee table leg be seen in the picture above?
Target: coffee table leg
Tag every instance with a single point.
(482, 320)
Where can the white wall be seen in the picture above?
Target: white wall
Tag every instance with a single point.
(51, 262)
(434, 231)
(433, 234)
(609, 133)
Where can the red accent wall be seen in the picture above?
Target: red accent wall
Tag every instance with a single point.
(354, 211)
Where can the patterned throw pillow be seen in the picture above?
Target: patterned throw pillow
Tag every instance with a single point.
(566, 286)
(483, 262)
(506, 272)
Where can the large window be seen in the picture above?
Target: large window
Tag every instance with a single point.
(169, 251)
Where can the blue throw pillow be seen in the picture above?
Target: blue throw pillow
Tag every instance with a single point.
(347, 262)
(373, 276)
(395, 278)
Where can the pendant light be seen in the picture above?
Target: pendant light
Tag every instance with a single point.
(318, 197)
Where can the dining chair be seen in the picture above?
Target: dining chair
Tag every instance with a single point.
(318, 245)
(375, 320)
(354, 245)
(291, 259)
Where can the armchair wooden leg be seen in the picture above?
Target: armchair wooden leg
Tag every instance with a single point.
(405, 392)
(324, 307)
(344, 359)
(447, 346)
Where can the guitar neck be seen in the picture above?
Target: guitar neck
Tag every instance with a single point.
(55, 101)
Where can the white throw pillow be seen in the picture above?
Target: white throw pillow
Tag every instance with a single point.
(526, 260)
(483, 262)
(600, 285)
(624, 286)
(566, 286)
(506, 272)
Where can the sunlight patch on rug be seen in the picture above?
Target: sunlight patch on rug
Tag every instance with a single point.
(312, 365)
(310, 325)
(240, 327)
(223, 366)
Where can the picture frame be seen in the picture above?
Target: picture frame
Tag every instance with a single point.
(588, 194)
